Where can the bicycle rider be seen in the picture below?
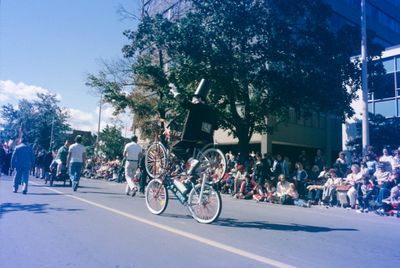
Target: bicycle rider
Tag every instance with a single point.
(200, 122)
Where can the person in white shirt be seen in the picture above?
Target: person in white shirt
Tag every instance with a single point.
(386, 159)
(282, 189)
(355, 180)
(132, 154)
(76, 158)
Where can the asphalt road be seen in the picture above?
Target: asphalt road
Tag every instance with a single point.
(99, 226)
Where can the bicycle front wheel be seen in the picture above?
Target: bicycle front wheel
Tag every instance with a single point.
(214, 160)
(156, 196)
(155, 159)
(208, 209)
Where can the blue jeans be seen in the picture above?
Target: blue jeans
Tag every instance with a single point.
(22, 175)
(75, 169)
(383, 194)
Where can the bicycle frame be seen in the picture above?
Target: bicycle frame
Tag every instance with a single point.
(183, 197)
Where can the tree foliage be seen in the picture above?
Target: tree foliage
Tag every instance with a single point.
(112, 142)
(270, 56)
(37, 119)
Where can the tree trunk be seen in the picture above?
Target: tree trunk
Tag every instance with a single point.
(243, 147)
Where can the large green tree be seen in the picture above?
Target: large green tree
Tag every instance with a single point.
(41, 120)
(268, 55)
(112, 142)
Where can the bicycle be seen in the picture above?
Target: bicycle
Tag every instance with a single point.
(208, 165)
(203, 199)
(157, 159)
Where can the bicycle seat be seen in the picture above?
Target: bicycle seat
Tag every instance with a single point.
(194, 164)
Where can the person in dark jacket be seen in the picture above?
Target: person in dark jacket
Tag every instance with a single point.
(22, 160)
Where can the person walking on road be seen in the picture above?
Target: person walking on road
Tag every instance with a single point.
(22, 160)
(75, 160)
(2, 157)
(132, 154)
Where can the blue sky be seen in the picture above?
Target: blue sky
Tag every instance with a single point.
(51, 45)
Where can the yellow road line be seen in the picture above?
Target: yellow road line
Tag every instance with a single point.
(191, 236)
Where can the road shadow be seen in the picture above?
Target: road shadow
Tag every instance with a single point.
(229, 222)
(89, 187)
(43, 193)
(92, 192)
(33, 208)
(176, 216)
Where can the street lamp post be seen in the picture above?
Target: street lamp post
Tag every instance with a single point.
(96, 149)
(364, 79)
(51, 134)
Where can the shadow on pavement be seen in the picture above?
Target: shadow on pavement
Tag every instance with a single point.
(176, 216)
(228, 222)
(34, 208)
(43, 193)
(92, 192)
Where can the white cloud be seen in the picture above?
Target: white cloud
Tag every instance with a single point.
(11, 91)
(88, 121)
(81, 120)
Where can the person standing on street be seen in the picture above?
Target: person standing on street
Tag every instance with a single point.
(22, 160)
(75, 160)
(132, 154)
(143, 174)
(2, 157)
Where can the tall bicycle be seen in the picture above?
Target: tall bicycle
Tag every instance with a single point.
(200, 194)
(201, 197)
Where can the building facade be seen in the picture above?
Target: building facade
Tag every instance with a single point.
(385, 100)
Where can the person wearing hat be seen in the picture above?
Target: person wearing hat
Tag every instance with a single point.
(76, 158)
(200, 121)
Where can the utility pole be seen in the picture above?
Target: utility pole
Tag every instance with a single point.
(96, 149)
(51, 135)
(364, 78)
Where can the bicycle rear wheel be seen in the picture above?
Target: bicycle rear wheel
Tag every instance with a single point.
(156, 159)
(156, 196)
(208, 209)
(214, 160)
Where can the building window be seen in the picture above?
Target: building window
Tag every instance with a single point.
(398, 81)
(371, 108)
(386, 108)
(386, 88)
(398, 64)
(388, 64)
(398, 106)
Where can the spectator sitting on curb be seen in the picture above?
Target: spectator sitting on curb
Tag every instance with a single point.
(281, 191)
(247, 188)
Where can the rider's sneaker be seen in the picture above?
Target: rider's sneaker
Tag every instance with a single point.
(134, 190)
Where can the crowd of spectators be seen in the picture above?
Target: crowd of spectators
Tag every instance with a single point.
(363, 184)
